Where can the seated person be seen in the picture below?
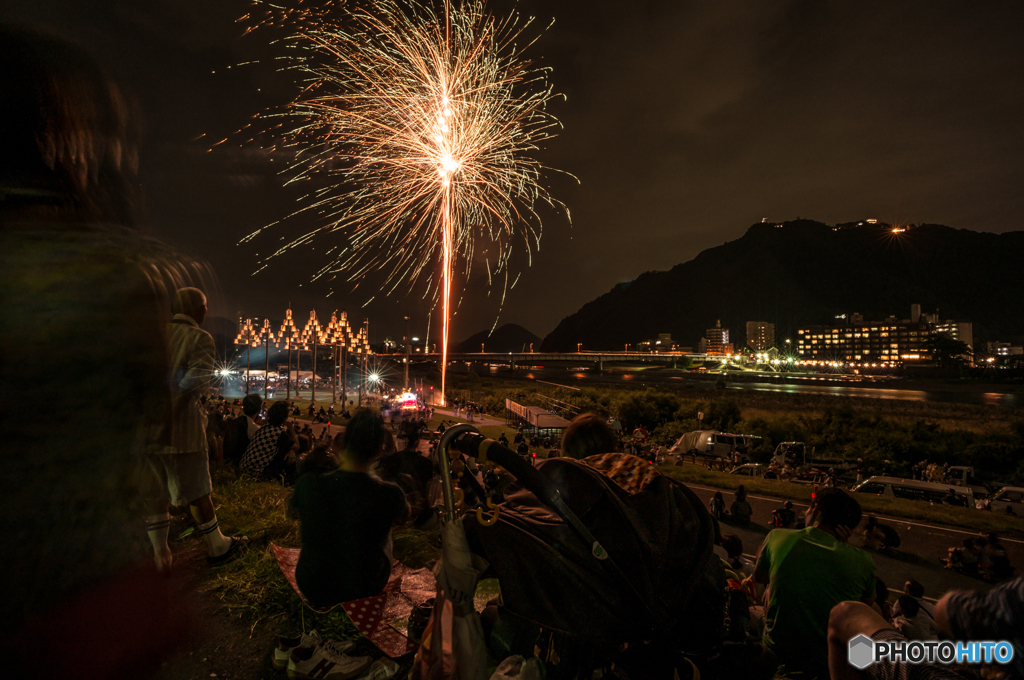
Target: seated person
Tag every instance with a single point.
(240, 431)
(271, 453)
(911, 620)
(717, 506)
(808, 572)
(784, 517)
(733, 546)
(959, 615)
(740, 510)
(346, 518)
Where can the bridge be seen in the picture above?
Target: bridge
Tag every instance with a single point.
(595, 360)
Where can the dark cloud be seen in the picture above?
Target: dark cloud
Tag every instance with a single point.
(684, 122)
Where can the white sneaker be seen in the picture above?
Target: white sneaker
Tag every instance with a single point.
(283, 648)
(380, 670)
(326, 661)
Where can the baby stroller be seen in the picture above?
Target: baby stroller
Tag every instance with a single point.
(605, 577)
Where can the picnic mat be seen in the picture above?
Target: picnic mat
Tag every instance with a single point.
(382, 618)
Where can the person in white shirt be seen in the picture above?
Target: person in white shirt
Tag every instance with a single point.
(183, 467)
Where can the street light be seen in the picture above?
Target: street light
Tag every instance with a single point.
(579, 347)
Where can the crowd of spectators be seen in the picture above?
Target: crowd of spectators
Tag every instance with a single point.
(75, 490)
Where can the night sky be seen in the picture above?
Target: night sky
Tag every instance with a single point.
(685, 122)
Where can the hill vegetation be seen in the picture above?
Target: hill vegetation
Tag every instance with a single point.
(508, 338)
(805, 272)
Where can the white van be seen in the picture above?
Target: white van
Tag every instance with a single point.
(911, 489)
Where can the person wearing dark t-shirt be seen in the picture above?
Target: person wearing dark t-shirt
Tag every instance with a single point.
(346, 518)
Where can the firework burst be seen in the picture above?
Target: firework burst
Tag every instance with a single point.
(419, 128)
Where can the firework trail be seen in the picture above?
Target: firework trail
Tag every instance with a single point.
(419, 128)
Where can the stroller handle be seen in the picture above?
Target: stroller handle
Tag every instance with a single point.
(468, 440)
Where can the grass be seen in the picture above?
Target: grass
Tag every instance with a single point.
(252, 586)
(906, 509)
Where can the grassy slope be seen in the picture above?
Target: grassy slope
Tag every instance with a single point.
(252, 586)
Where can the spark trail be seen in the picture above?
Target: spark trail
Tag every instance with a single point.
(419, 128)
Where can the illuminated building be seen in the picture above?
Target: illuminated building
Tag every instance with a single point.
(760, 335)
(886, 343)
(718, 340)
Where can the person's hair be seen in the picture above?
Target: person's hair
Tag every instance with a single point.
(320, 459)
(718, 496)
(252, 404)
(69, 136)
(908, 606)
(305, 444)
(733, 545)
(741, 493)
(838, 509)
(913, 588)
(364, 435)
(788, 505)
(587, 435)
(278, 413)
(188, 301)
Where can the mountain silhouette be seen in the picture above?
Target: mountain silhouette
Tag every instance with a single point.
(508, 338)
(804, 272)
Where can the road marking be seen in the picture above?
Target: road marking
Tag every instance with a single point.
(898, 520)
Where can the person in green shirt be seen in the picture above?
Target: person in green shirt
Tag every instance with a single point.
(808, 572)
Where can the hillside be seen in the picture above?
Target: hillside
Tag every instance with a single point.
(508, 338)
(805, 272)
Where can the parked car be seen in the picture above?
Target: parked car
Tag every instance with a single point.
(749, 470)
(1009, 497)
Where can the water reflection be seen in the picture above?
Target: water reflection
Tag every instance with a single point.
(808, 385)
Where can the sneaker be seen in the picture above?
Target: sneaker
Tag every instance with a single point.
(381, 669)
(285, 645)
(326, 661)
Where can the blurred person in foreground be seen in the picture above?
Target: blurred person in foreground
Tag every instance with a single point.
(808, 572)
(83, 298)
(182, 467)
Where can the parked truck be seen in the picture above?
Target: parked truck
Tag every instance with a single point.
(799, 454)
(713, 444)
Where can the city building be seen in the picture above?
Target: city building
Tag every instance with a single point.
(1003, 349)
(958, 330)
(718, 340)
(760, 335)
(663, 343)
(862, 343)
(887, 343)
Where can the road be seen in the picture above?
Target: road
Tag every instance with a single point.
(918, 557)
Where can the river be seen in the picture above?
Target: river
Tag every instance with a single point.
(809, 385)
